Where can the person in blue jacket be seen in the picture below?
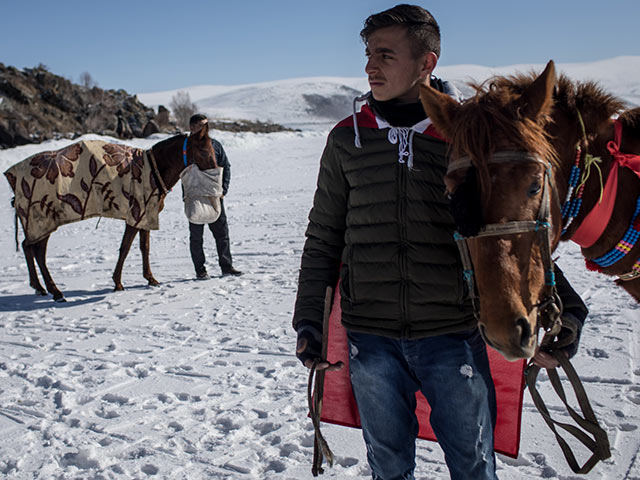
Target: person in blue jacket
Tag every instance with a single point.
(219, 228)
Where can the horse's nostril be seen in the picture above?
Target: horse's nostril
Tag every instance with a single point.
(522, 325)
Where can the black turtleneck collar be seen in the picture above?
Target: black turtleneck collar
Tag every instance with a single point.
(396, 113)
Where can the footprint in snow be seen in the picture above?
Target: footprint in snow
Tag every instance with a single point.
(266, 428)
(165, 398)
(112, 398)
(347, 462)
(261, 413)
(176, 427)
(597, 353)
(107, 414)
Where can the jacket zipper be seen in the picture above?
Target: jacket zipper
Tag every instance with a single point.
(402, 225)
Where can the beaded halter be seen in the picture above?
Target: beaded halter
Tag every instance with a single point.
(623, 247)
(572, 204)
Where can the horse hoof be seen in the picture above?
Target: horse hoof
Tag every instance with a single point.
(60, 300)
(118, 288)
(41, 293)
(154, 283)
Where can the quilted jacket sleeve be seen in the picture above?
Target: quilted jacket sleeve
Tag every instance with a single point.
(323, 246)
(574, 309)
(223, 161)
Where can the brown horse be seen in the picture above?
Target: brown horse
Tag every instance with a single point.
(164, 162)
(530, 159)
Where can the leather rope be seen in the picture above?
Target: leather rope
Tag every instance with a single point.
(592, 435)
(15, 223)
(156, 172)
(315, 392)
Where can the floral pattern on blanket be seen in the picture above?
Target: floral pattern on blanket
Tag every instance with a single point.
(84, 180)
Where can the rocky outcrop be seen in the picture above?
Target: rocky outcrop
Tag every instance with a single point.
(36, 105)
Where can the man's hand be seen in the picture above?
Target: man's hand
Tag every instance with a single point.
(568, 339)
(546, 360)
(322, 365)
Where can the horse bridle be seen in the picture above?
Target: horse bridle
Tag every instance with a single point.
(550, 308)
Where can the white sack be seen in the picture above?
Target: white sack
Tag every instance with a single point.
(201, 192)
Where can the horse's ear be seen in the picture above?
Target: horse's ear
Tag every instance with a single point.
(538, 98)
(439, 107)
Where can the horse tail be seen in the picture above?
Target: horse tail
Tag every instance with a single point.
(15, 223)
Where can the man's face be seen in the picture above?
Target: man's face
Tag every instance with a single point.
(392, 70)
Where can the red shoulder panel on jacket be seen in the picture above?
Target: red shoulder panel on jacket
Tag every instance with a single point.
(432, 132)
(366, 119)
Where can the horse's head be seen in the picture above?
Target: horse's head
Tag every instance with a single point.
(499, 175)
(169, 154)
(199, 148)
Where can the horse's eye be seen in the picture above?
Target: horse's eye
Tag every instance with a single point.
(534, 189)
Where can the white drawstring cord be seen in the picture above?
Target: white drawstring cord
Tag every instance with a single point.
(361, 98)
(403, 136)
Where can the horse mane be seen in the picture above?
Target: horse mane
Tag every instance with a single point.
(493, 116)
(201, 140)
(594, 104)
(631, 120)
(169, 142)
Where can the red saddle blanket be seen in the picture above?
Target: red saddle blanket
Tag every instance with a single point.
(339, 406)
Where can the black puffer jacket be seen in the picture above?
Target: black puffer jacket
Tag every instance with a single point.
(380, 210)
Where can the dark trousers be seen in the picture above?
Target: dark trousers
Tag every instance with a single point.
(220, 231)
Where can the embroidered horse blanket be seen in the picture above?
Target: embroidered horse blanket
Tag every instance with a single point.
(86, 179)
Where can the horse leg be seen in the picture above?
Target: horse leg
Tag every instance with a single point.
(31, 266)
(40, 250)
(127, 239)
(146, 266)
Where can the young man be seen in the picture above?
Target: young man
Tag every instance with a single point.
(219, 228)
(380, 222)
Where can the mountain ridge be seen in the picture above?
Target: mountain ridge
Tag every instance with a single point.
(287, 101)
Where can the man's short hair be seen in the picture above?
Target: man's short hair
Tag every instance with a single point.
(422, 28)
(197, 118)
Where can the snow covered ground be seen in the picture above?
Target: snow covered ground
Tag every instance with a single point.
(198, 379)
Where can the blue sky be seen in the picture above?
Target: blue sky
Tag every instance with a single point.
(161, 45)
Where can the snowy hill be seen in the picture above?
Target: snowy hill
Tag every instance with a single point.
(321, 101)
(298, 103)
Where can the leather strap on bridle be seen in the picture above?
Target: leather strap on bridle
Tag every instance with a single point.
(156, 172)
(550, 322)
(315, 392)
(506, 156)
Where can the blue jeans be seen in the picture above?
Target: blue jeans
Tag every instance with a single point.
(452, 371)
